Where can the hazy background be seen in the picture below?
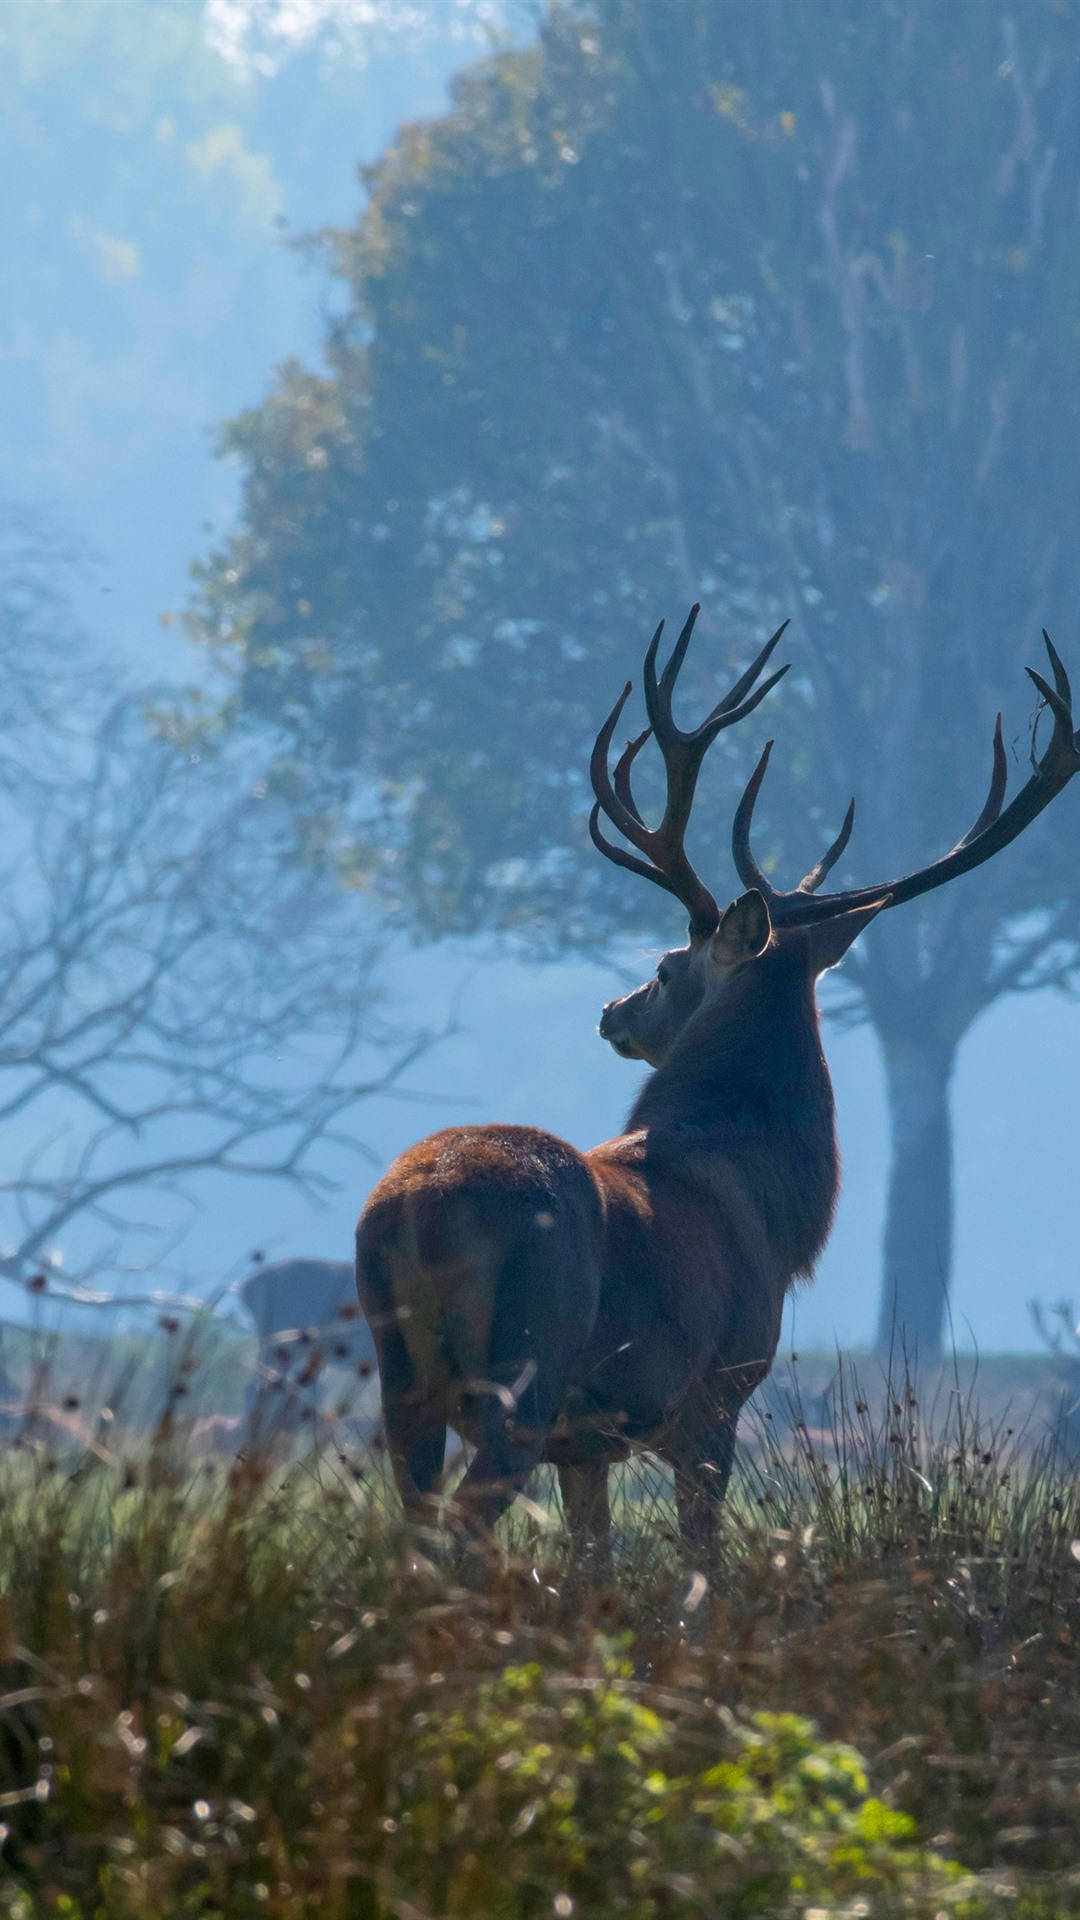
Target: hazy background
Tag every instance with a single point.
(165, 157)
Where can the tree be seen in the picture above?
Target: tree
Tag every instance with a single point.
(175, 996)
(771, 306)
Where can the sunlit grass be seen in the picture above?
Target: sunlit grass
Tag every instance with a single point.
(236, 1686)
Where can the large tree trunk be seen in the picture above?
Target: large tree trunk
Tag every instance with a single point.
(918, 1221)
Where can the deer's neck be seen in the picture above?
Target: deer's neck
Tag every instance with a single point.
(747, 1089)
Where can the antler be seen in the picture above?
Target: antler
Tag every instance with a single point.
(666, 862)
(992, 830)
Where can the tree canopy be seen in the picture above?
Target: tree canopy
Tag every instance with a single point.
(770, 306)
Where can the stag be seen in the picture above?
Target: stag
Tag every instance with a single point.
(569, 1307)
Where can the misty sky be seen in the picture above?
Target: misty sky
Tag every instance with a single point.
(126, 345)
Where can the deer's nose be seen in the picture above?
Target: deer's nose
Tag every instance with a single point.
(613, 1029)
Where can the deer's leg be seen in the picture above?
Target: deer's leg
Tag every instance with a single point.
(702, 1464)
(702, 1450)
(539, 1326)
(415, 1427)
(517, 1409)
(584, 1489)
(413, 1394)
(277, 1401)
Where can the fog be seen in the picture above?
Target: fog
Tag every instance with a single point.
(154, 288)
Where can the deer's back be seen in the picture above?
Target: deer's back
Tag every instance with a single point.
(492, 1180)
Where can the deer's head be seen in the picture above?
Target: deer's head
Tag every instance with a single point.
(819, 928)
(645, 1024)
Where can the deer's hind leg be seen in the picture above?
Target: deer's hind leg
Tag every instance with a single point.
(544, 1309)
(413, 1396)
(513, 1410)
(414, 1421)
(587, 1512)
(702, 1467)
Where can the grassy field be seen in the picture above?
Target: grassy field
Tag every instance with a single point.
(237, 1688)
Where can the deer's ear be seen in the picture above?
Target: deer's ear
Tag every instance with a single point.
(830, 939)
(744, 931)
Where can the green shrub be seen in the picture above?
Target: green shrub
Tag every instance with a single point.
(557, 1793)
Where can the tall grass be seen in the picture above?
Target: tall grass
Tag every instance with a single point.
(237, 1687)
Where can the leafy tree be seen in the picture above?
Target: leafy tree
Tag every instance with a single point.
(774, 306)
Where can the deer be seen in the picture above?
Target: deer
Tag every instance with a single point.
(566, 1307)
(305, 1315)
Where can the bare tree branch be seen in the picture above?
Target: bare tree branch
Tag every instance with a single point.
(177, 992)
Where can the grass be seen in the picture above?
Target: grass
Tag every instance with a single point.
(237, 1688)
(133, 1372)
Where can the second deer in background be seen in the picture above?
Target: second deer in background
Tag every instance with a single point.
(306, 1317)
(554, 1305)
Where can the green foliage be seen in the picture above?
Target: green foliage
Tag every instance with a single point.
(578, 1773)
